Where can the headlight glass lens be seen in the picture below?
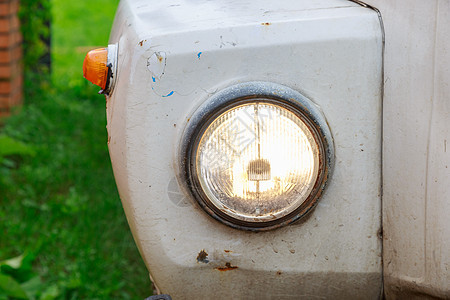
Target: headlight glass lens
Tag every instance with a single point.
(257, 161)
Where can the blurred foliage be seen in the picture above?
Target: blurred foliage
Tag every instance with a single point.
(17, 279)
(58, 201)
(62, 222)
(10, 146)
(35, 18)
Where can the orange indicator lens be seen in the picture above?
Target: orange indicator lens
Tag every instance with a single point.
(94, 67)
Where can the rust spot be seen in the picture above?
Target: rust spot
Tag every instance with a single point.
(202, 257)
(278, 272)
(227, 251)
(142, 42)
(266, 23)
(380, 233)
(227, 267)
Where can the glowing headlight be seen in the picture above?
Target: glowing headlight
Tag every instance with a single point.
(258, 161)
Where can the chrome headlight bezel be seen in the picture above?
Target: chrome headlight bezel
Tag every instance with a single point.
(240, 94)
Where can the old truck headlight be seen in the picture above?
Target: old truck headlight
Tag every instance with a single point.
(257, 155)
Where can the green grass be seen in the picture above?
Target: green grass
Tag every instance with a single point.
(58, 200)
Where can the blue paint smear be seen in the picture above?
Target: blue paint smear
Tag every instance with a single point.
(154, 79)
(198, 54)
(169, 94)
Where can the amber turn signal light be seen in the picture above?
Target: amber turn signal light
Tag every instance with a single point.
(95, 68)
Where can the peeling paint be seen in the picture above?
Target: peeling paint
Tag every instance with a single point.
(227, 267)
(202, 257)
(156, 64)
(164, 96)
(169, 94)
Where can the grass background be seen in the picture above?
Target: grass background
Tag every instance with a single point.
(59, 207)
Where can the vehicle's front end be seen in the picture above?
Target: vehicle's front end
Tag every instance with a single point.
(246, 140)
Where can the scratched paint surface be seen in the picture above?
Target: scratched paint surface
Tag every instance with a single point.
(336, 251)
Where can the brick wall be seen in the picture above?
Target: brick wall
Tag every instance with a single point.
(11, 73)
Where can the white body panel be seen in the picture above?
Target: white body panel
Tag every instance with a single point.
(172, 56)
(416, 157)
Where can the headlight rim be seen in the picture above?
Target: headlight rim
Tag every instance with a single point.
(239, 94)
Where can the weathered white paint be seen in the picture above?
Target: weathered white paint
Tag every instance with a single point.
(416, 161)
(329, 50)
